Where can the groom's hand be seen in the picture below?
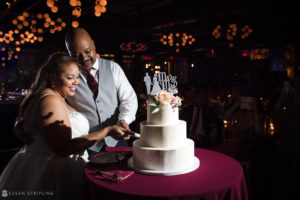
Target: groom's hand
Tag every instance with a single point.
(123, 124)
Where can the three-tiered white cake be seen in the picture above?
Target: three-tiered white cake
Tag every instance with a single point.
(163, 147)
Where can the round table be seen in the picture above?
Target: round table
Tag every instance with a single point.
(218, 177)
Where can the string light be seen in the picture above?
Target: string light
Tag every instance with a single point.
(29, 29)
(7, 55)
(76, 12)
(52, 6)
(133, 47)
(231, 32)
(259, 54)
(100, 7)
(177, 40)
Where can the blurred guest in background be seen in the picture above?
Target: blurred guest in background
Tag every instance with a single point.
(189, 95)
(232, 104)
(203, 124)
(243, 110)
(288, 175)
(252, 86)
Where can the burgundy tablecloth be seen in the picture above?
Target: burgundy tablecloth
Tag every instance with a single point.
(218, 177)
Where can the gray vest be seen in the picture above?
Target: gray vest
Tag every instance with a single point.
(102, 111)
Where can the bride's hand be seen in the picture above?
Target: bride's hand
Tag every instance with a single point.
(119, 133)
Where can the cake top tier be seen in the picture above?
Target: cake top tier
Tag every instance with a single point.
(162, 104)
(162, 114)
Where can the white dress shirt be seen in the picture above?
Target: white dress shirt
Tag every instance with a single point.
(126, 94)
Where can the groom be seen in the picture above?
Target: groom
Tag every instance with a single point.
(104, 94)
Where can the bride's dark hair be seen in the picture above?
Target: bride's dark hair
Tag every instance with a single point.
(44, 77)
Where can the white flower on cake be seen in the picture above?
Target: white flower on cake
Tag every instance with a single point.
(164, 97)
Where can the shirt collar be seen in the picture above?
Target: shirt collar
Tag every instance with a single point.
(96, 65)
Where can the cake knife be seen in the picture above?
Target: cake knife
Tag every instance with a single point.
(134, 134)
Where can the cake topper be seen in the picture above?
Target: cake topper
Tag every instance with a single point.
(161, 81)
(148, 83)
(156, 88)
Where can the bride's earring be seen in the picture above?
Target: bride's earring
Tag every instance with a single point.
(52, 84)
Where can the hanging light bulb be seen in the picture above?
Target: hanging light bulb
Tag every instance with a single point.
(40, 39)
(103, 2)
(75, 24)
(25, 23)
(100, 7)
(50, 3)
(97, 14)
(39, 16)
(14, 22)
(46, 15)
(54, 9)
(73, 3)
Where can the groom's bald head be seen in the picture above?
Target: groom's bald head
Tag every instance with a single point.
(80, 45)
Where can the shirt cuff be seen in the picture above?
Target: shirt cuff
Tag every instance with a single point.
(127, 119)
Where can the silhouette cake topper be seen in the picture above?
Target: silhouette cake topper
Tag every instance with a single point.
(161, 81)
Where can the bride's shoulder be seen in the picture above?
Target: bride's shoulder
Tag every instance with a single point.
(48, 97)
(47, 92)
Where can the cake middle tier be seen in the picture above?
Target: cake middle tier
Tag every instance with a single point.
(163, 136)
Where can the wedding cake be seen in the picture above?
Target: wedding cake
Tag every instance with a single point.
(163, 146)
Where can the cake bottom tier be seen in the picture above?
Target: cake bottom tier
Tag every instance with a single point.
(163, 159)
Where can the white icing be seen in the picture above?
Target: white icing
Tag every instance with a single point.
(165, 115)
(163, 145)
(150, 158)
(163, 136)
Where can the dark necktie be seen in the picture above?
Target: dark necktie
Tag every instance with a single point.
(92, 83)
(196, 122)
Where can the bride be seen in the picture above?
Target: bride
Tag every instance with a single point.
(52, 164)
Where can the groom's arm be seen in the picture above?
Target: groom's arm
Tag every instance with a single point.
(127, 97)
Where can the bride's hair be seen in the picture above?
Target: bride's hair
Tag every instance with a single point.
(44, 77)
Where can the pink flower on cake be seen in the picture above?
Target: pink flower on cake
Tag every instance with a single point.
(176, 101)
(164, 97)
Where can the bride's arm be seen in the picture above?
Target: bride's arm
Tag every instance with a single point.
(56, 129)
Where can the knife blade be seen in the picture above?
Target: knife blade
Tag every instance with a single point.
(134, 134)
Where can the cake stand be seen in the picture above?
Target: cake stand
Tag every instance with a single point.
(194, 165)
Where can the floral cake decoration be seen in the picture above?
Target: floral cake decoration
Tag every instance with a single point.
(161, 91)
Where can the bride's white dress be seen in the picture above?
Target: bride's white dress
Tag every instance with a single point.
(35, 172)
